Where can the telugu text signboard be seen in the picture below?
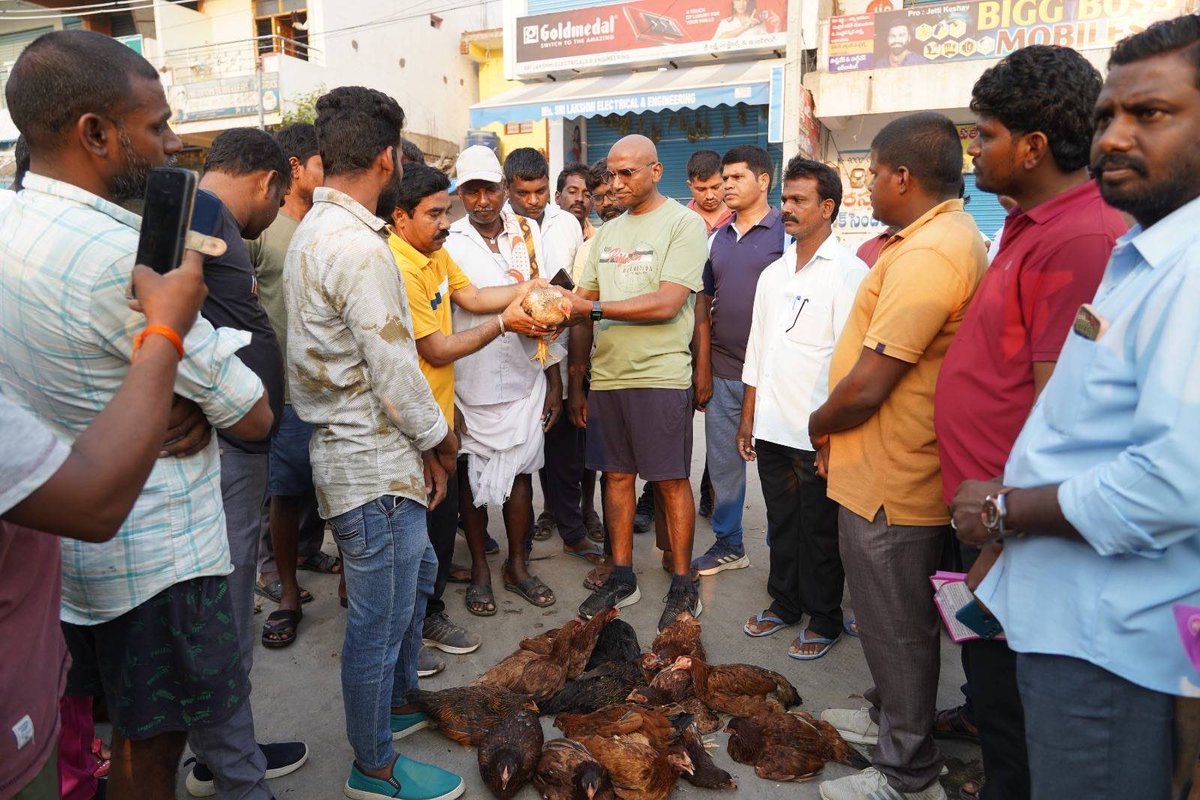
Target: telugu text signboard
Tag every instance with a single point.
(937, 34)
(649, 30)
(855, 215)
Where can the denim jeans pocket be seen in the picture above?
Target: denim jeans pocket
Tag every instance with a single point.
(350, 530)
(389, 504)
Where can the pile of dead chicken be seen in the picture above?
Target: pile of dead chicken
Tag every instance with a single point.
(634, 721)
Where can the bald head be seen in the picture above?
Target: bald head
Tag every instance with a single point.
(635, 170)
(636, 146)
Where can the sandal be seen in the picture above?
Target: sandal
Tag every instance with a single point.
(764, 623)
(321, 562)
(274, 591)
(545, 527)
(803, 639)
(280, 628)
(458, 574)
(533, 590)
(850, 626)
(480, 600)
(590, 554)
(952, 723)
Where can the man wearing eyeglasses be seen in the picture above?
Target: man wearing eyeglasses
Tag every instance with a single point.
(639, 284)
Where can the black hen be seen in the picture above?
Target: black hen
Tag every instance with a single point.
(509, 753)
(707, 774)
(606, 685)
(618, 642)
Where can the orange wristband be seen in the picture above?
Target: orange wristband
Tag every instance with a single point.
(162, 330)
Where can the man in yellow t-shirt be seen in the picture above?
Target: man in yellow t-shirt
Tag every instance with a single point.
(418, 209)
(876, 439)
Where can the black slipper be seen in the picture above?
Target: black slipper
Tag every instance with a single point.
(280, 628)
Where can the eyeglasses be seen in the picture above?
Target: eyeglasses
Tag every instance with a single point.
(625, 174)
(601, 196)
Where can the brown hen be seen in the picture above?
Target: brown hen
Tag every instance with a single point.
(547, 307)
(464, 714)
(639, 772)
(680, 638)
(527, 672)
(509, 754)
(649, 725)
(567, 771)
(771, 760)
(739, 689)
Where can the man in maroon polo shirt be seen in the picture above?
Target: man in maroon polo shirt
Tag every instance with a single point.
(1035, 127)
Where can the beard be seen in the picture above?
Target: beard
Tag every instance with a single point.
(131, 183)
(1148, 200)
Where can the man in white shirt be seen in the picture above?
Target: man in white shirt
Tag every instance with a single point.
(800, 306)
(527, 176)
(505, 402)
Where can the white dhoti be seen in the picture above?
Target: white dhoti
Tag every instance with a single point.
(502, 441)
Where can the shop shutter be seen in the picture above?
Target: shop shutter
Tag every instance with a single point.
(681, 133)
(984, 207)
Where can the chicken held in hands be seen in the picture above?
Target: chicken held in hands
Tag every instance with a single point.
(547, 306)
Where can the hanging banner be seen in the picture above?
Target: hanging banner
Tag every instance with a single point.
(939, 34)
(648, 30)
(855, 215)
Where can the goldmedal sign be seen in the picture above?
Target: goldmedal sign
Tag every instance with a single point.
(646, 31)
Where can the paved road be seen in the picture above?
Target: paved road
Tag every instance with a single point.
(297, 692)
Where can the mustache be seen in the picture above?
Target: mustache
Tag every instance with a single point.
(1118, 161)
(788, 218)
(440, 235)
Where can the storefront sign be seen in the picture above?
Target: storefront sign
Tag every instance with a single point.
(967, 133)
(226, 97)
(938, 34)
(855, 215)
(649, 30)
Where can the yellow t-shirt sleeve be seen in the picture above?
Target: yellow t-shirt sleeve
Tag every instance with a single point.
(457, 278)
(921, 290)
(420, 302)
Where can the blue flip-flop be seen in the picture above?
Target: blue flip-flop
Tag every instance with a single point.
(765, 616)
(850, 626)
(803, 639)
(596, 553)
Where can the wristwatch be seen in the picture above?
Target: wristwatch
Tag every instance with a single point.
(994, 513)
(597, 313)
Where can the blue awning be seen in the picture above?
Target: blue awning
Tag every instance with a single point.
(706, 86)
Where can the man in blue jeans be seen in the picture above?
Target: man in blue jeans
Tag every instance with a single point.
(738, 252)
(381, 448)
(1097, 511)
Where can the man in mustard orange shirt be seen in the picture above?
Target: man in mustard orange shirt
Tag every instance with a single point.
(876, 440)
(419, 213)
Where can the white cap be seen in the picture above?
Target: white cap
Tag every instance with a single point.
(478, 163)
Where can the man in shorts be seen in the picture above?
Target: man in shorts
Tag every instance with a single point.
(644, 268)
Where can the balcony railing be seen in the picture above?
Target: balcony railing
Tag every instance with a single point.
(208, 62)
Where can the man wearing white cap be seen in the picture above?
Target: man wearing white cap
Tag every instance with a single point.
(505, 398)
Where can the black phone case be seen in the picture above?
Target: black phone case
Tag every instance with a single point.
(166, 217)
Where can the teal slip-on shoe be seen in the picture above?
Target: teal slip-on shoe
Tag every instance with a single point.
(404, 724)
(411, 780)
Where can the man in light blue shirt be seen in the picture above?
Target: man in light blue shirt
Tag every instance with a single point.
(1099, 511)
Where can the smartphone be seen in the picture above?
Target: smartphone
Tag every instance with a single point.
(974, 617)
(166, 217)
(562, 279)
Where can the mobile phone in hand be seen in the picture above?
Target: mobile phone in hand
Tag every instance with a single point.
(166, 217)
(562, 279)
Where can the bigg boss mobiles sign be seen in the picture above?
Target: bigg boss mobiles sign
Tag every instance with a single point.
(939, 34)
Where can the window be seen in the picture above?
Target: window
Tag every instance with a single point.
(281, 26)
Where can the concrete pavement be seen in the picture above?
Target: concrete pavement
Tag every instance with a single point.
(297, 690)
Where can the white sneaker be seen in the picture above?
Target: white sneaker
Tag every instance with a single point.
(854, 724)
(871, 785)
